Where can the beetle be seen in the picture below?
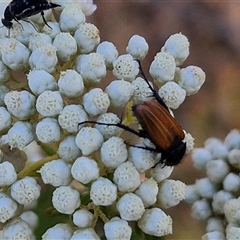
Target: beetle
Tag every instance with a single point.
(20, 9)
(159, 126)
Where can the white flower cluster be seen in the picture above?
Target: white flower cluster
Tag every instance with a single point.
(62, 67)
(215, 198)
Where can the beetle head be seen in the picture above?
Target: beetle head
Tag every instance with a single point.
(175, 155)
(7, 23)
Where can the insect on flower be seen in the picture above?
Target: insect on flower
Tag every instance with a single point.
(20, 9)
(159, 126)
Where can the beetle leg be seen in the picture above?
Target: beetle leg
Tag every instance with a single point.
(44, 20)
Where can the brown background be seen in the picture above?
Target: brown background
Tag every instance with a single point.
(213, 29)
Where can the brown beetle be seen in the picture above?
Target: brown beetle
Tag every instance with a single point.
(159, 126)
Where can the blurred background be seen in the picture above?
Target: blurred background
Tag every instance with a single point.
(213, 30)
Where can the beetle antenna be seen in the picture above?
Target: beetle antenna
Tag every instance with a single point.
(30, 23)
(120, 125)
(44, 20)
(155, 94)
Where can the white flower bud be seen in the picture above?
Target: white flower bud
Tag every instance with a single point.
(8, 174)
(31, 218)
(141, 91)
(87, 233)
(66, 199)
(17, 229)
(113, 152)
(233, 233)
(88, 7)
(232, 140)
(91, 67)
(44, 58)
(191, 79)
(68, 150)
(232, 210)
(126, 177)
(137, 47)
(205, 187)
(53, 31)
(14, 54)
(8, 207)
(201, 210)
(70, 83)
(83, 218)
(87, 37)
(108, 131)
(4, 73)
(108, 51)
(130, 207)
(200, 158)
(119, 92)
(178, 46)
(117, 229)
(213, 236)
(103, 192)
(48, 131)
(20, 104)
(71, 116)
(96, 102)
(125, 67)
(191, 194)
(5, 119)
(231, 182)
(171, 192)
(234, 158)
(49, 103)
(71, 17)
(20, 135)
(172, 94)
(57, 173)
(189, 140)
(85, 170)
(89, 140)
(141, 158)
(40, 81)
(66, 46)
(25, 191)
(219, 199)
(59, 231)
(216, 148)
(148, 191)
(160, 173)
(215, 224)
(217, 170)
(38, 39)
(163, 67)
(155, 222)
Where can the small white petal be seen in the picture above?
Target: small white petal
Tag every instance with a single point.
(85, 170)
(163, 67)
(137, 47)
(172, 94)
(130, 207)
(155, 222)
(59, 231)
(83, 218)
(103, 192)
(178, 46)
(89, 140)
(66, 199)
